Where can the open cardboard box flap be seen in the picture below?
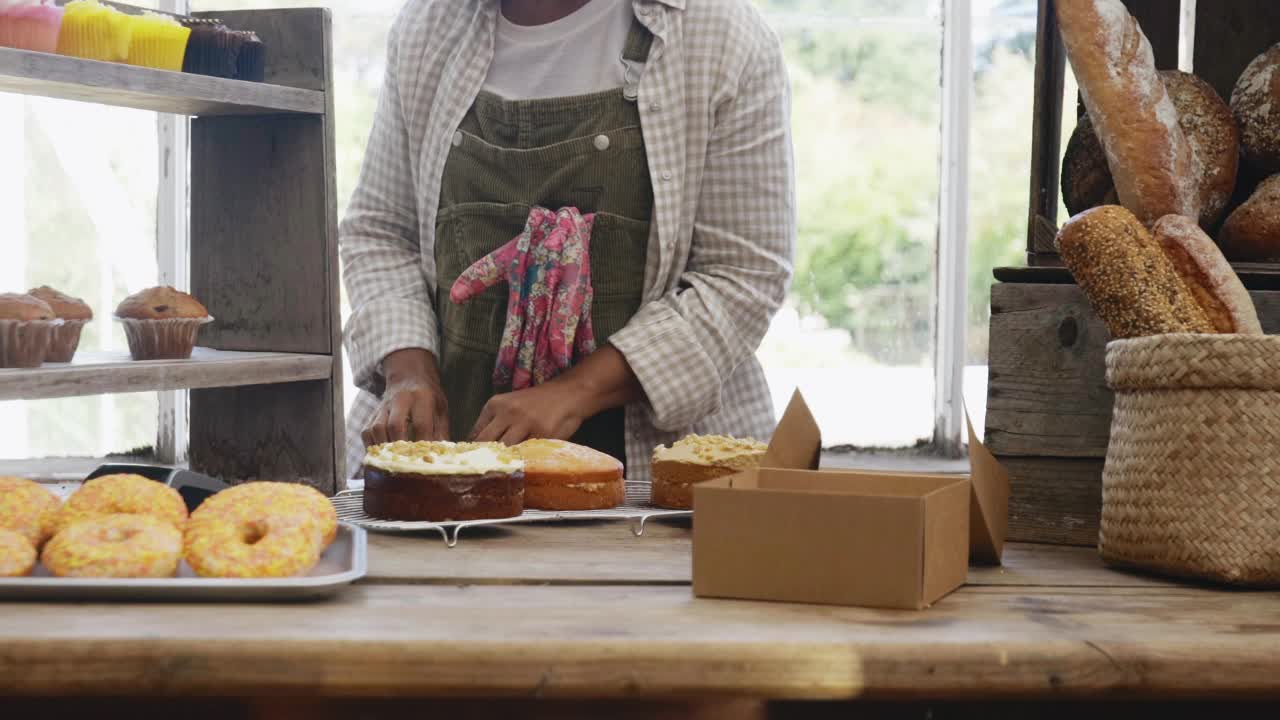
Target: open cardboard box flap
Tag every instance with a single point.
(797, 445)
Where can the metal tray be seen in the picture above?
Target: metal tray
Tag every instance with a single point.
(636, 508)
(344, 562)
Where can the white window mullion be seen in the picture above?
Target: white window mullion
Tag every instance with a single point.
(172, 253)
(951, 296)
(1187, 36)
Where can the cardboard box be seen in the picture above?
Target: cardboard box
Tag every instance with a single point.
(789, 531)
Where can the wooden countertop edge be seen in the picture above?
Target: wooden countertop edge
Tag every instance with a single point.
(601, 669)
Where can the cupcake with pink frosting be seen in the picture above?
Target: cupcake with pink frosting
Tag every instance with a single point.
(30, 25)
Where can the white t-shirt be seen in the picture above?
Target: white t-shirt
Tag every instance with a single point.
(578, 54)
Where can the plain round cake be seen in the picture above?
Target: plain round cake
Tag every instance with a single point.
(560, 475)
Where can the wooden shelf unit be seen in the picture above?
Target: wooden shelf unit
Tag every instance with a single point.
(99, 373)
(67, 78)
(266, 385)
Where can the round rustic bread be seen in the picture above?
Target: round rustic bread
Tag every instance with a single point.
(1086, 179)
(1210, 129)
(1255, 102)
(1252, 232)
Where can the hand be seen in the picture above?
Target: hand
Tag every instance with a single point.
(414, 406)
(556, 409)
(552, 410)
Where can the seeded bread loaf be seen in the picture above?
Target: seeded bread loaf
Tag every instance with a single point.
(1132, 285)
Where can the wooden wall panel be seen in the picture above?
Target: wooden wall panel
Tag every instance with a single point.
(264, 260)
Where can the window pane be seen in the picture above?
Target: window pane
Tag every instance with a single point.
(77, 211)
(1000, 171)
(857, 331)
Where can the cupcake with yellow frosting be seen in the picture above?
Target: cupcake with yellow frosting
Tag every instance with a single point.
(94, 31)
(157, 41)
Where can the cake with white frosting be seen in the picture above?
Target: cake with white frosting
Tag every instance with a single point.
(443, 481)
(695, 459)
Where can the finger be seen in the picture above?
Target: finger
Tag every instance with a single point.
(398, 417)
(514, 435)
(491, 431)
(441, 431)
(424, 418)
(487, 415)
(377, 430)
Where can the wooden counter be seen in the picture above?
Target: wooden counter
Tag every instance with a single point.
(591, 612)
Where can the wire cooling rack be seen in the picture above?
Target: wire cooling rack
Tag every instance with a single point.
(636, 508)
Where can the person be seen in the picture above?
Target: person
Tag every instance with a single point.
(668, 120)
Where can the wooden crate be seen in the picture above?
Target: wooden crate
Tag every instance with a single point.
(266, 383)
(1048, 408)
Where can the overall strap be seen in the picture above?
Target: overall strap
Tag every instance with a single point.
(634, 56)
(639, 40)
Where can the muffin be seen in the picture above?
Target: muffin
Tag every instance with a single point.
(158, 41)
(695, 459)
(161, 323)
(74, 314)
(251, 63)
(30, 25)
(94, 31)
(443, 481)
(559, 475)
(27, 326)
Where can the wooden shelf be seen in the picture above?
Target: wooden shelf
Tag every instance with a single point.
(1255, 276)
(55, 76)
(100, 373)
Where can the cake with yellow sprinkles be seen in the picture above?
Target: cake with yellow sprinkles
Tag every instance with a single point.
(115, 546)
(443, 481)
(17, 554)
(695, 459)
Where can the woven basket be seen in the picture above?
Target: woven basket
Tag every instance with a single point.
(1192, 480)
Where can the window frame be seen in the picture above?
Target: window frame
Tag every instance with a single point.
(951, 249)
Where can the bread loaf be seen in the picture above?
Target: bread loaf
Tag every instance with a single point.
(1130, 282)
(1151, 161)
(1252, 232)
(1214, 285)
(1086, 179)
(1206, 122)
(1255, 101)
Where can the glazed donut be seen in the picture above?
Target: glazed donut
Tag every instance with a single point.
(28, 509)
(123, 495)
(254, 499)
(115, 546)
(17, 554)
(240, 545)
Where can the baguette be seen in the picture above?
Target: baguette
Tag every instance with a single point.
(1152, 163)
(1214, 285)
(1206, 122)
(1132, 285)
